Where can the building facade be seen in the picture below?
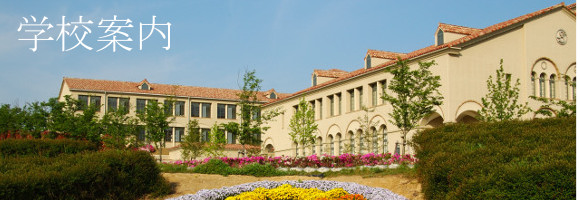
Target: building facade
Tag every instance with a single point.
(539, 49)
(208, 105)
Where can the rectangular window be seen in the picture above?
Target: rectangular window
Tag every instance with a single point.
(383, 84)
(231, 138)
(351, 98)
(96, 101)
(320, 108)
(231, 111)
(124, 104)
(206, 110)
(313, 105)
(205, 135)
(112, 103)
(331, 99)
(83, 101)
(374, 94)
(141, 103)
(221, 111)
(256, 113)
(179, 108)
(360, 97)
(141, 133)
(339, 96)
(168, 134)
(179, 133)
(194, 109)
(168, 107)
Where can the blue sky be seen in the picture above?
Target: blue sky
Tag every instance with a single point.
(214, 42)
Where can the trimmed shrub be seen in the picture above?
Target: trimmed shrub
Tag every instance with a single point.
(46, 148)
(507, 160)
(96, 175)
(214, 166)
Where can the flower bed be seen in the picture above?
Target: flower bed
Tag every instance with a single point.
(313, 161)
(370, 193)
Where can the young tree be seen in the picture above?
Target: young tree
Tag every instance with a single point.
(37, 114)
(566, 108)
(369, 137)
(501, 101)
(156, 122)
(302, 124)
(252, 121)
(217, 141)
(118, 128)
(415, 94)
(192, 146)
(64, 118)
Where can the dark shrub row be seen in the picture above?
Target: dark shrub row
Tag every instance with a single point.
(217, 166)
(45, 147)
(93, 175)
(507, 160)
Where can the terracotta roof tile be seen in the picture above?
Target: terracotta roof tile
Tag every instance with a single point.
(432, 48)
(458, 29)
(572, 7)
(331, 73)
(384, 54)
(156, 89)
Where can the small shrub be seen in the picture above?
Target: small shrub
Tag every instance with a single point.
(259, 170)
(214, 166)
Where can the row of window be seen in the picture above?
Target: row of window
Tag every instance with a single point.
(198, 109)
(334, 101)
(176, 134)
(354, 146)
(540, 83)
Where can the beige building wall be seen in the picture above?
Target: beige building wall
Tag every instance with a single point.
(463, 71)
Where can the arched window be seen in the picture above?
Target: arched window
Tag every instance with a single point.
(313, 149)
(351, 137)
(385, 141)
(320, 145)
(439, 37)
(144, 86)
(360, 142)
(574, 88)
(375, 140)
(542, 85)
(553, 86)
(368, 64)
(566, 85)
(273, 96)
(331, 144)
(533, 84)
(339, 141)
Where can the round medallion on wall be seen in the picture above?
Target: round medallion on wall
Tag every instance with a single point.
(544, 65)
(561, 37)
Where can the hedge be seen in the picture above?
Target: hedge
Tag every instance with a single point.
(507, 160)
(44, 147)
(109, 174)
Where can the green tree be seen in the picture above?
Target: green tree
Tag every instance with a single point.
(566, 108)
(156, 122)
(501, 101)
(192, 146)
(11, 118)
(37, 115)
(252, 121)
(216, 145)
(65, 119)
(369, 137)
(302, 124)
(119, 128)
(415, 94)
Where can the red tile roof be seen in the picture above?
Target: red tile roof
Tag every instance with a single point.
(458, 29)
(384, 54)
(331, 73)
(572, 7)
(77, 84)
(433, 48)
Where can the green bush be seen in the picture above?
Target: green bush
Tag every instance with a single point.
(259, 170)
(214, 166)
(46, 148)
(94, 175)
(507, 160)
